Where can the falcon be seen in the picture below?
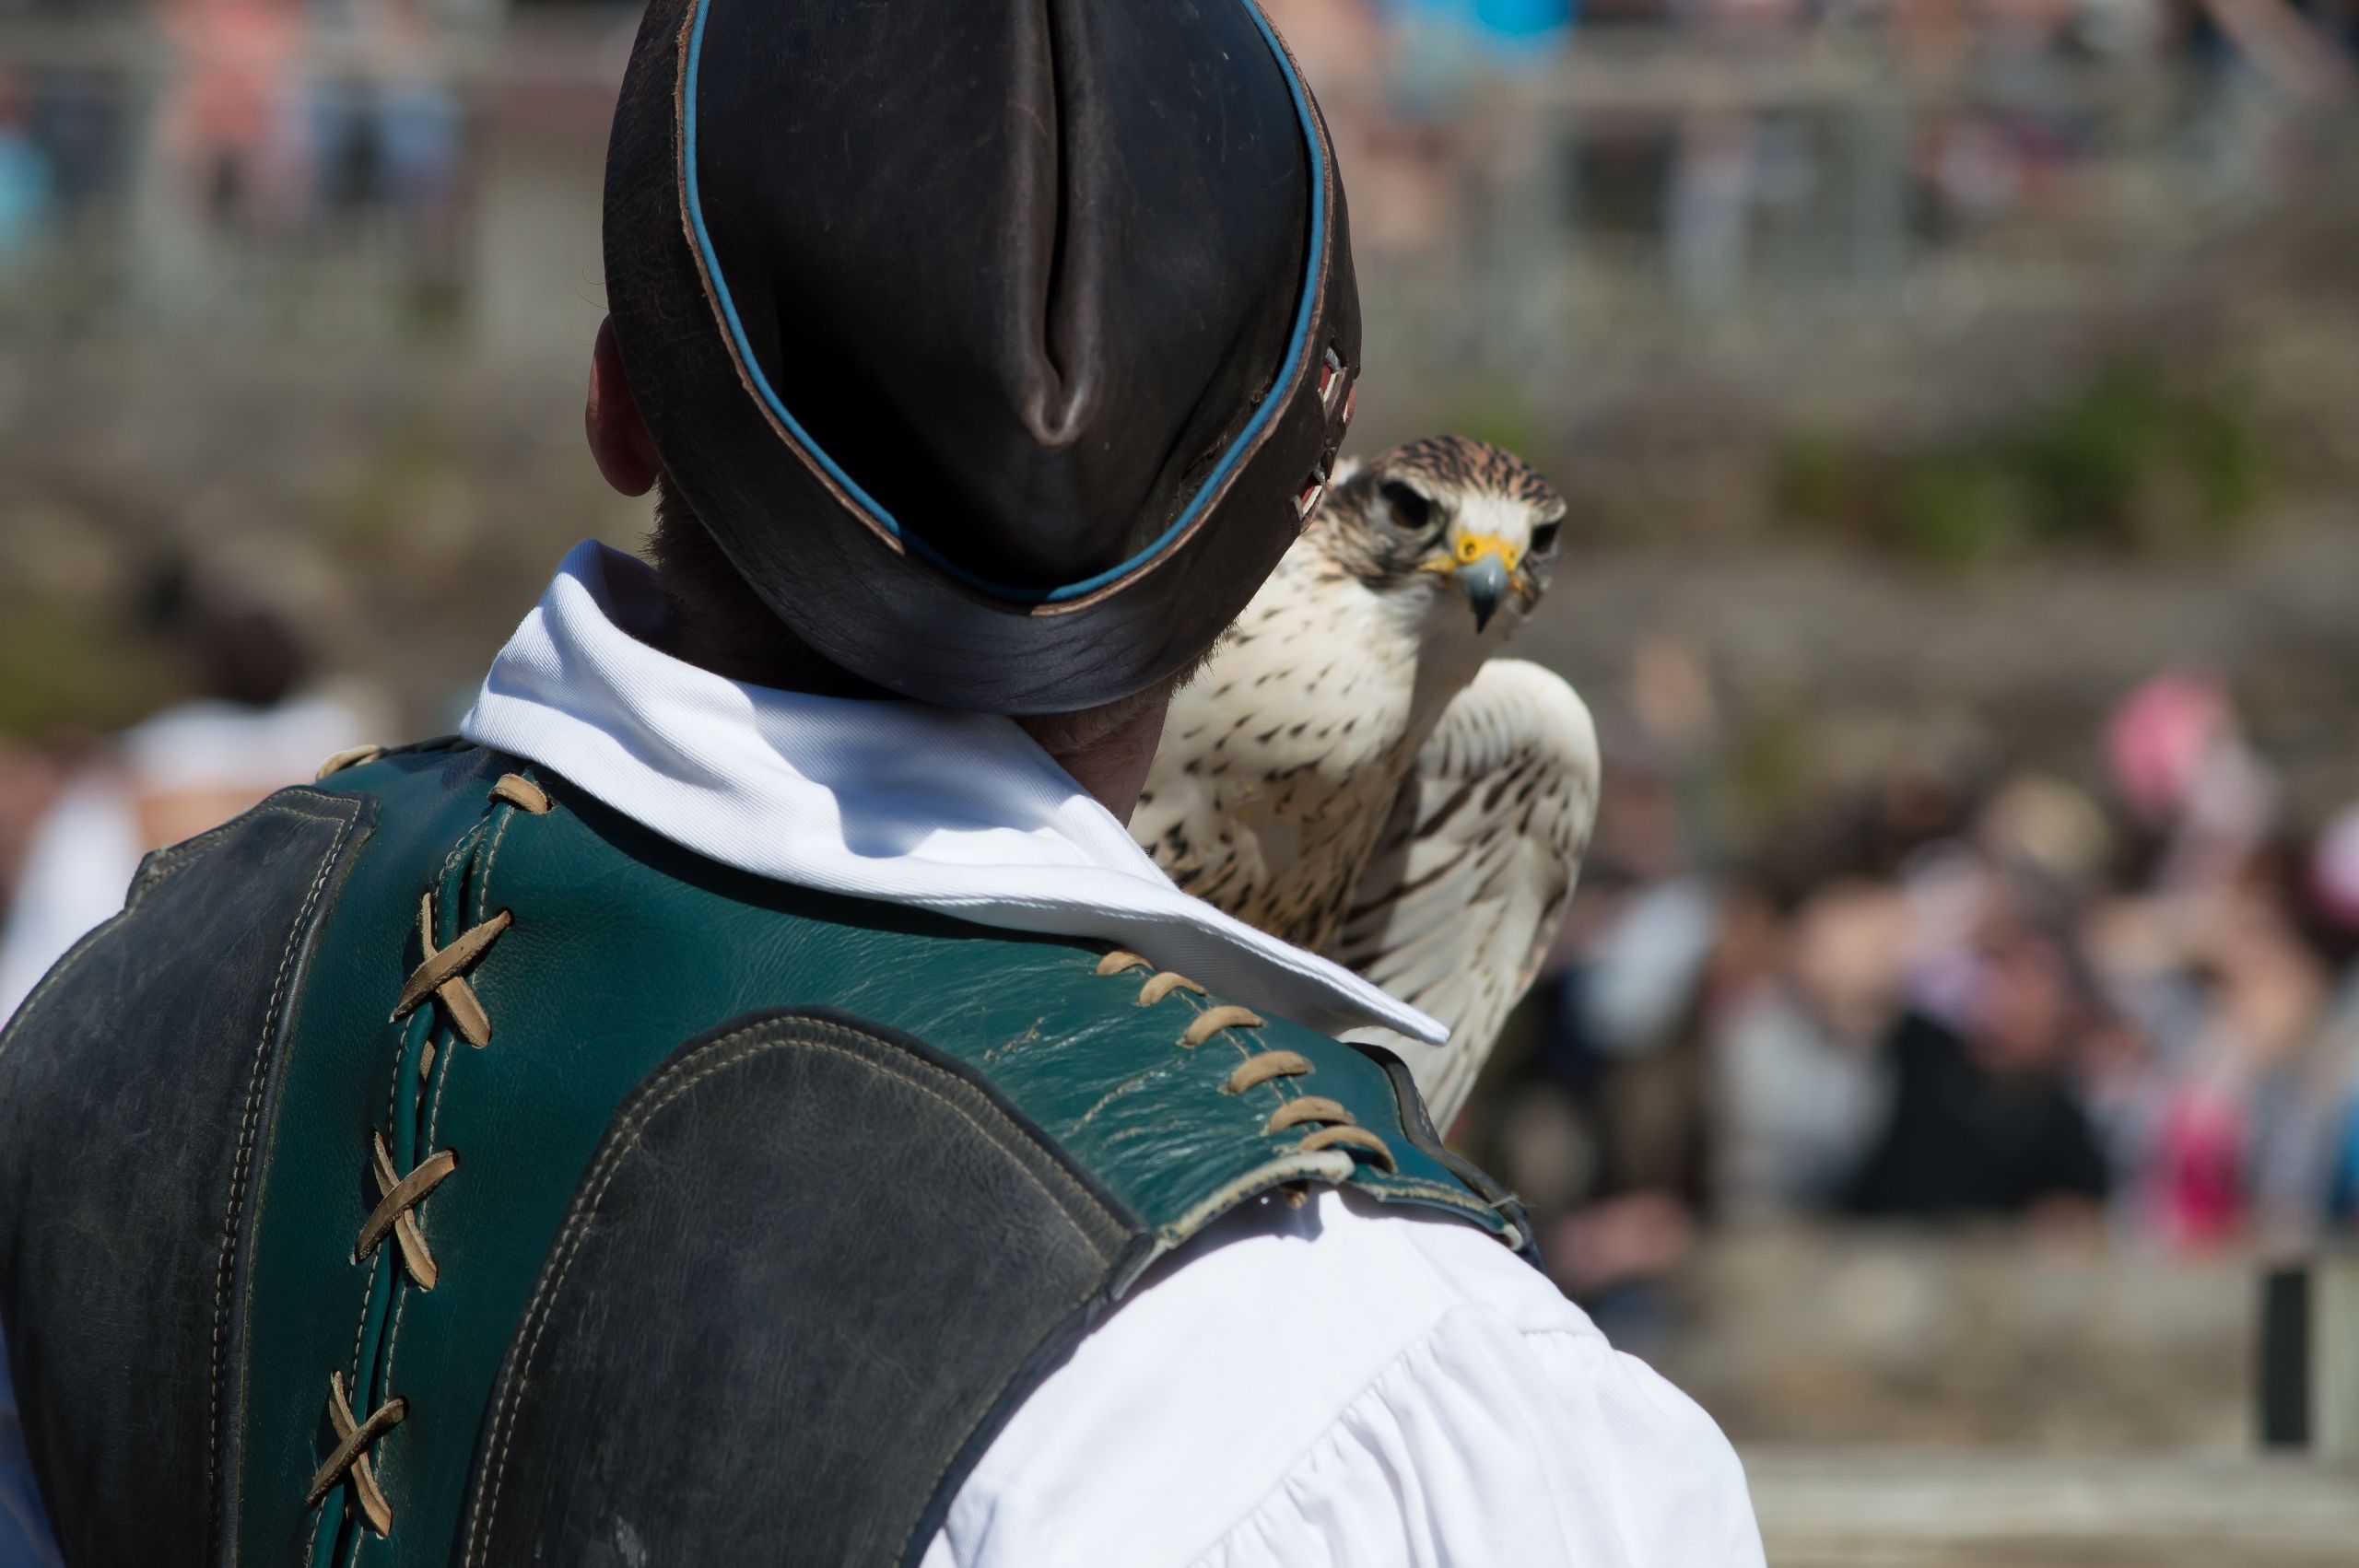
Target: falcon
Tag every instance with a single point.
(1355, 774)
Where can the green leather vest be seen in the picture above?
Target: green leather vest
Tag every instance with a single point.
(725, 1218)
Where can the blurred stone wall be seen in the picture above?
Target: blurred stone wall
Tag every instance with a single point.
(1878, 1337)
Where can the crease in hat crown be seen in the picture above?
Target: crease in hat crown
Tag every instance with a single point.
(1206, 493)
(812, 209)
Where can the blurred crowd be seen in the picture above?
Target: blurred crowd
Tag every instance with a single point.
(282, 111)
(293, 120)
(1927, 122)
(1351, 35)
(1945, 995)
(231, 121)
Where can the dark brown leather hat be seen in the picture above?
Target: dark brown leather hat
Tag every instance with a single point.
(1002, 344)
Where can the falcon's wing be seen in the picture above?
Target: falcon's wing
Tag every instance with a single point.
(1469, 880)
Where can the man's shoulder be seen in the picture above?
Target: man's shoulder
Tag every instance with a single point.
(1172, 1099)
(1342, 1382)
(911, 1088)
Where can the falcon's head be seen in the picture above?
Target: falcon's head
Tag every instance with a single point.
(1446, 513)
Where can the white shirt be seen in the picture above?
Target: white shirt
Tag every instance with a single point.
(1327, 1385)
(88, 844)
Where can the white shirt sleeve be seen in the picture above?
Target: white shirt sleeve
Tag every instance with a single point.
(1337, 1386)
(80, 864)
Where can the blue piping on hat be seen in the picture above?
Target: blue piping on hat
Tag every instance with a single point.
(1230, 458)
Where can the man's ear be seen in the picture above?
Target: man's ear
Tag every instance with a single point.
(618, 436)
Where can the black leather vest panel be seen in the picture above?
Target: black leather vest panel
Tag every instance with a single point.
(122, 1304)
(686, 1387)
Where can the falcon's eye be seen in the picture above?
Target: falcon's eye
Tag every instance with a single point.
(1544, 538)
(1412, 509)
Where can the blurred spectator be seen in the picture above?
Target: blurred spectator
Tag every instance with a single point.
(1984, 1119)
(2184, 772)
(251, 728)
(79, 122)
(1801, 1087)
(228, 132)
(25, 180)
(1508, 29)
(387, 136)
(1945, 1000)
(26, 1538)
(1708, 221)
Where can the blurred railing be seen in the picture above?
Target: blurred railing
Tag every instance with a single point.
(1664, 184)
(1649, 180)
(286, 180)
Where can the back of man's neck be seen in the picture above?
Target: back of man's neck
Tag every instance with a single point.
(784, 664)
(1106, 752)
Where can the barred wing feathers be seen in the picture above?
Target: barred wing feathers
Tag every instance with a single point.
(1469, 882)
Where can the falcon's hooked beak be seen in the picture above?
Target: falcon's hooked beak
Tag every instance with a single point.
(1482, 565)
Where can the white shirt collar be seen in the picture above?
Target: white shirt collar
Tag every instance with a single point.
(957, 812)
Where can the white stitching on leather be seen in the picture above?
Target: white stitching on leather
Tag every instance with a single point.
(348, 819)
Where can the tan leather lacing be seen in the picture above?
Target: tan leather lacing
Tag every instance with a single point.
(1255, 1071)
(1332, 1120)
(351, 757)
(440, 974)
(1162, 985)
(1336, 1126)
(521, 793)
(351, 1454)
(401, 1195)
(443, 972)
(1306, 1108)
(1212, 1020)
(1356, 1137)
